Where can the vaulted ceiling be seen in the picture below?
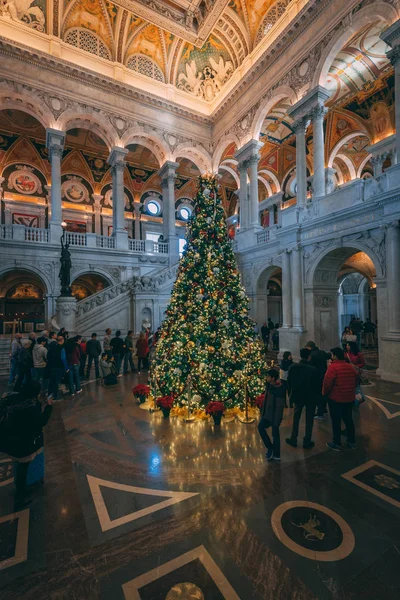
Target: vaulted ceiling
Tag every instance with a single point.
(195, 45)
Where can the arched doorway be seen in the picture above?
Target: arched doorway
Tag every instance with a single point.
(88, 284)
(269, 296)
(22, 306)
(343, 289)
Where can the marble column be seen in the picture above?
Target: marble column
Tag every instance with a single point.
(297, 288)
(253, 200)
(137, 221)
(243, 196)
(117, 162)
(317, 118)
(167, 175)
(391, 36)
(393, 276)
(286, 291)
(1, 196)
(55, 145)
(299, 127)
(97, 198)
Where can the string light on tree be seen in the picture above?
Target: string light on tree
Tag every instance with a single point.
(207, 335)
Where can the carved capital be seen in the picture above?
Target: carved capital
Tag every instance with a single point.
(118, 167)
(318, 112)
(55, 150)
(300, 126)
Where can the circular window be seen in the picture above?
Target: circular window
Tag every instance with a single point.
(185, 213)
(153, 207)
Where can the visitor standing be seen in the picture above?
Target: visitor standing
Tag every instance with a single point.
(82, 344)
(58, 366)
(129, 350)
(284, 367)
(25, 366)
(23, 418)
(118, 351)
(357, 326)
(142, 348)
(39, 355)
(356, 358)
(93, 351)
(73, 352)
(304, 390)
(275, 337)
(340, 386)
(369, 330)
(270, 324)
(265, 334)
(348, 336)
(271, 415)
(318, 359)
(16, 350)
(106, 343)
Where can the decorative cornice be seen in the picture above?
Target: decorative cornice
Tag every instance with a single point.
(88, 77)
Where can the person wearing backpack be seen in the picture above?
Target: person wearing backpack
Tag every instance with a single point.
(22, 419)
(25, 366)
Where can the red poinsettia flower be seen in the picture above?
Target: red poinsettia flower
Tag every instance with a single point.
(165, 401)
(141, 390)
(215, 407)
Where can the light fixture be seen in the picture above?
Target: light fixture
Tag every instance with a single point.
(63, 224)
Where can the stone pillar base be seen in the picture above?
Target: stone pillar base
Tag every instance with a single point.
(291, 340)
(121, 240)
(66, 313)
(55, 232)
(389, 357)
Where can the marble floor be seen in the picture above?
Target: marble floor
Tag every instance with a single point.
(135, 507)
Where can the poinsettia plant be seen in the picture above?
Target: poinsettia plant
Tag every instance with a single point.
(259, 400)
(141, 390)
(215, 407)
(165, 401)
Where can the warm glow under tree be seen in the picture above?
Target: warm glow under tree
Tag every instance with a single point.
(207, 338)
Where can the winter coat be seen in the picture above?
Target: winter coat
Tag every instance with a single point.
(39, 354)
(105, 368)
(274, 403)
(118, 346)
(56, 357)
(303, 383)
(142, 347)
(340, 382)
(284, 369)
(21, 427)
(93, 348)
(356, 359)
(73, 352)
(318, 360)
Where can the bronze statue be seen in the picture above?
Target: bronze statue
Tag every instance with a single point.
(65, 269)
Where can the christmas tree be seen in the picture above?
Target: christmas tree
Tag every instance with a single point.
(207, 339)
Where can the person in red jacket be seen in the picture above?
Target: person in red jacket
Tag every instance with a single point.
(339, 385)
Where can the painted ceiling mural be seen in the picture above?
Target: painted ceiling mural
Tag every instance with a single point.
(199, 65)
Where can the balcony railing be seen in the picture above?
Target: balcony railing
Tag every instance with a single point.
(20, 233)
(76, 239)
(160, 247)
(136, 245)
(34, 234)
(6, 232)
(105, 241)
(263, 236)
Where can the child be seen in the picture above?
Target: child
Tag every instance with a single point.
(107, 370)
(271, 414)
(286, 363)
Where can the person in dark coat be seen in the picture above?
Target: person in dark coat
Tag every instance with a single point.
(58, 366)
(265, 334)
(93, 351)
(25, 366)
(22, 419)
(118, 348)
(318, 359)
(271, 414)
(303, 387)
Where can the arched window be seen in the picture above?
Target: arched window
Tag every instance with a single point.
(88, 41)
(272, 16)
(144, 65)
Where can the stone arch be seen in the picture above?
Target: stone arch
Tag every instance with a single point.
(149, 140)
(266, 185)
(279, 94)
(373, 12)
(362, 165)
(74, 120)
(80, 271)
(89, 282)
(264, 306)
(342, 141)
(343, 252)
(198, 156)
(348, 163)
(221, 147)
(14, 99)
(34, 270)
(232, 172)
(272, 176)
